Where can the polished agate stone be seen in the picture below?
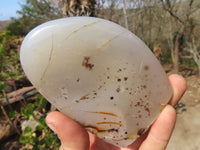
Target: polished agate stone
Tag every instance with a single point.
(99, 74)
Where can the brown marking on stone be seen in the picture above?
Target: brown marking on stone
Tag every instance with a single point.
(146, 67)
(125, 138)
(138, 104)
(104, 113)
(119, 70)
(118, 89)
(120, 139)
(99, 87)
(84, 97)
(84, 26)
(97, 129)
(113, 130)
(107, 42)
(125, 78)
(116, 77)
(63, 107)
(117, 123)
(147, 110)
(119, 80)
(144, 86)
(162, 107)
(77, 101)
(49, 60)
(86, 63)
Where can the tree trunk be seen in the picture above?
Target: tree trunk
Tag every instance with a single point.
(150, 28)
(195, 54)
(176, 56)
(77, 7)
(125, 14)
(111, 9)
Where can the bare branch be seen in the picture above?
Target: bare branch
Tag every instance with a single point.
(191, 2)
(169, 10)
(125, 14)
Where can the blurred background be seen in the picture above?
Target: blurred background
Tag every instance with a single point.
(170, 28)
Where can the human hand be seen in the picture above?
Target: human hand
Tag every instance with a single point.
(74, 137)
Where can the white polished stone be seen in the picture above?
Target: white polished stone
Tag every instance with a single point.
(99, 74)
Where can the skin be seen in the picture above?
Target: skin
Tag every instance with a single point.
(74, 137)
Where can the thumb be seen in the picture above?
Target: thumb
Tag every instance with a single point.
(70, 133)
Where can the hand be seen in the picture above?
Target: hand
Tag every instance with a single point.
(75, 137)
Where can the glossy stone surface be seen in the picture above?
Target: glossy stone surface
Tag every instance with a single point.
(99, 74)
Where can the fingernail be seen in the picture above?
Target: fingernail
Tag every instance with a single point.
(174, 96)
(52, 127)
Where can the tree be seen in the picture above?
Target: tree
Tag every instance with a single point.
(33, 13)
(125, 14)
(39, 10)
(77, 7)
(192, 48)
(181, 22)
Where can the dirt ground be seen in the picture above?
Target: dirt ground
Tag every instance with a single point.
(186, 135)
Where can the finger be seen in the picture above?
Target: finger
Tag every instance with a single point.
(161, 130)
(70, 133)
(99, 144)
(179, 85)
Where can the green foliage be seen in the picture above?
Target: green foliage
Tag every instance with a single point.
(42, 124)
(10, 68)
(13, 114)
(28, 131)
(39, 9)
(40, 138)
(33, 13)
(2, 85)
(41, 102)
(189, 62)
(18, 27)
(3, 47)
(24, 139)
(3, 42)
(166, 59)
(28, 111)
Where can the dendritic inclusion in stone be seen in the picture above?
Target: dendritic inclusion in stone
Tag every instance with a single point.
(99, 74)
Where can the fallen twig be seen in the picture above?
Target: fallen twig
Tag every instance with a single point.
(27, 93)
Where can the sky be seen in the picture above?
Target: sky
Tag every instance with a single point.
(8, 8)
